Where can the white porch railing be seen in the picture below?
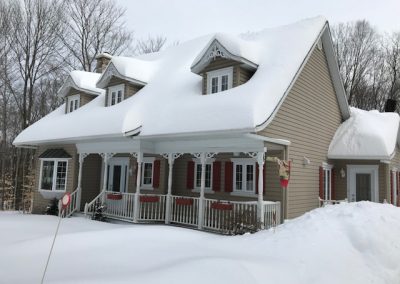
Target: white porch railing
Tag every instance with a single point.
(72, 206)
(272, 214)
(152, 207)
(184, 210)
(90, 207)
(323, 202)
(119, 205)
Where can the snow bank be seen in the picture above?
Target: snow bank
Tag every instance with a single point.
(348, 243)
(173, 92)
(366, 134)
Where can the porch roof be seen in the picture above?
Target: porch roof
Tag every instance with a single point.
(55, 153)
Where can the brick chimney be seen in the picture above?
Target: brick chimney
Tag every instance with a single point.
(102, 61)
(390, 105)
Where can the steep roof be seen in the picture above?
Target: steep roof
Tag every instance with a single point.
(366, 135)
(171, 102)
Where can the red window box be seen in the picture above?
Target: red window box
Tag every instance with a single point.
(114, 196)
(184, 201)
(149, 199)
(221, 206)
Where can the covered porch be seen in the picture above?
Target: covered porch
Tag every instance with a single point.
(209, 184)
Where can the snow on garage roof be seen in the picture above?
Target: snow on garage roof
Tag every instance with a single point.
(366, 135)
(171, 102)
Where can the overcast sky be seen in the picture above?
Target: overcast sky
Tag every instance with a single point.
(180, 20)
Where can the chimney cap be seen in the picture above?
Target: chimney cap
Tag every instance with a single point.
(104, 54)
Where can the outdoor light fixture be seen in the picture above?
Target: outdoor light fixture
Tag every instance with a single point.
(342, 173)
(306, 161)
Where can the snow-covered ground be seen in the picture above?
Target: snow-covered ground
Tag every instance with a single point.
(347, 243)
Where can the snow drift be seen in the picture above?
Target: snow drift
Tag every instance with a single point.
(347, 243)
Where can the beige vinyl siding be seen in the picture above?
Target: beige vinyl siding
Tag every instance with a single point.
(40, 203)
(240, 75)
(129, 88)
(308, 117)
(341, 182)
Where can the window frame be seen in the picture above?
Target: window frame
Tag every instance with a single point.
(244, 162)
(326, 180)
(116, 89)
(219, 73)
(147, 160)
(76, 102)
(54, 181)
(198, 188)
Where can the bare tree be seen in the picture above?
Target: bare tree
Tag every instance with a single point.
(392, 50)
(355, 44)
(93, 26)
(149, 45)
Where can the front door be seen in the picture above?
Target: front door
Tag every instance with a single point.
(117, 179)
(362, 183)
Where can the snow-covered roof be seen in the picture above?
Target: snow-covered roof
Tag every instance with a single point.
(171, 102)
(366, 135)
(82, 81)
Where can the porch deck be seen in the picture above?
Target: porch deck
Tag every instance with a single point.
(220, 216)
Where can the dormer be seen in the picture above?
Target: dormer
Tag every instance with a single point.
(122, 79)
(222, 69)
(79, 89)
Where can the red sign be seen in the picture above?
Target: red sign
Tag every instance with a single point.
(66, 200)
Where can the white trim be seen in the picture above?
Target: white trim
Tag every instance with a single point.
(218, 74)
(394, 186)
(123, 162)
(73, 98)
(116, 89)
(111, 71)
(244, 162)
(327, 176)
(54, 181)
(147, 160)
(352, 170)
(197, 162)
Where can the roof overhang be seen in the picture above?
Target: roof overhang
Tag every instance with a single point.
(214, 50)
(70, 84)
(112, 71)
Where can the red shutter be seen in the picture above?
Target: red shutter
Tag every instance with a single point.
(257, 168)
(333, 182)
(228, 176)
(156, 174)
(391, 187)
(216, 186)
(321, 182)
(190, 175)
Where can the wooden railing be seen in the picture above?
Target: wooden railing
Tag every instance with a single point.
(184, 210)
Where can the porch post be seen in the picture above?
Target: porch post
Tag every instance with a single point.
(260, 211)
(82, 156)
(168, 208)
(136, 207)
(202, 187)
(106, 158)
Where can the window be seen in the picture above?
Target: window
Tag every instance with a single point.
(73, 103)
(244, 175)
(197, 175)
(147, 172)
(115, 94)
(326, 181)
(53, 174)
(219, 80)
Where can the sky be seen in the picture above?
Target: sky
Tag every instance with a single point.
(181, 20)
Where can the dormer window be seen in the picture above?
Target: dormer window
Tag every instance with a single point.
(73, 103)
(115, 94)
(219, 80)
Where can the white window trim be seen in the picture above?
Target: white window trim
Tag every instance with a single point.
(115, 88)
(147, 160)
(73, 98)
(327, 168)
(206, 189)
(123, 161)
(56, 160)
(219, 73)
(244, 191)
(395, 184)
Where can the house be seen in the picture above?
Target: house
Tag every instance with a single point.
(202, 126)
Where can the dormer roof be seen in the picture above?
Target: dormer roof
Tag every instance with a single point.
(81, 81)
